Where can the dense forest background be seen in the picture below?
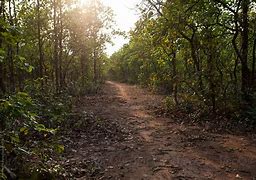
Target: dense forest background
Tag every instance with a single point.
(55, 42)
(201, 53)
(50, 51)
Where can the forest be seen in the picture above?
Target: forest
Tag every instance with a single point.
(201, 52)
(183, 89)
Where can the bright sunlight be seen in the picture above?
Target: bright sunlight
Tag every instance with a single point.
(125, 16)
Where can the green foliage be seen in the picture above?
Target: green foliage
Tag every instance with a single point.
(169, 103)
(249, 117)
(29, 128)
(16, 107)
(51, 107)
(187, 49)
(49, 52)
(23, 65)
(84, 87)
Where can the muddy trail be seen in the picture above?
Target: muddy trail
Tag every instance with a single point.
(151, 147)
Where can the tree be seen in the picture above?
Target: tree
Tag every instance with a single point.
(201, 49)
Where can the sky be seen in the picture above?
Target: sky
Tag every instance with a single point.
(125, 16)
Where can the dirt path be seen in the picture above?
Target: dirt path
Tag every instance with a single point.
(158, 148)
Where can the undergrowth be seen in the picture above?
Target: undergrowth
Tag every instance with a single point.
(229, 119)
(30, 131)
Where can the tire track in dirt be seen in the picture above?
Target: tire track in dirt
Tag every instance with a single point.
(148, 124)
(158, 148)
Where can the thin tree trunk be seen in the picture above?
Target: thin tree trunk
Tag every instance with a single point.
(235, 76)
(40, 45)
(82, 62)
(19, 72)
(2, 85)
(10, 55)
(175, 85)
(60, 45)
(210, 71)
(95, 78)
(56, 60)
(197, 65)
(244, 50)
(253, 61)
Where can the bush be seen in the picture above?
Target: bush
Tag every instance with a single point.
(28, 129)
(84, 87)
(168, 103)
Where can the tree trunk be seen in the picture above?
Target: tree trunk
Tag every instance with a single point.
(2, 85)
(211, 69)
(19, 71)
(40, 45)
(253, 62)
(10, 55)
(60, 45)
(246, 86)
(95, 74)
(83, 65)
(11, 68)
(175, 84)
(55, 58)
(197, 64)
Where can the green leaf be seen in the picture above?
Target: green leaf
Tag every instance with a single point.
(30, 69)
(59, 148)
(15, 138)
(40, 127)
(22, 94)
(24, 130)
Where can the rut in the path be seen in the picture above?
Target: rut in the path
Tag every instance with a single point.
(158, 148)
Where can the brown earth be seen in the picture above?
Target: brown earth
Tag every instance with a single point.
(157, 148)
